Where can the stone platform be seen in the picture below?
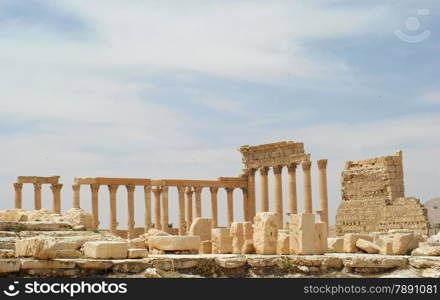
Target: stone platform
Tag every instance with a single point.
(232, 266)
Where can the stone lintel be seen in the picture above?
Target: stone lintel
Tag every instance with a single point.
(38, 179)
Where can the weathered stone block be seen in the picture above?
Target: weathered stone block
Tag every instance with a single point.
(106, 250)
(137, 253)
(302, 234)
(283, 243)
(336, 245)
(174, 243)
(221, 241)
(42, 248)
(367, 246)
(321, 236)
(201, 227)
(265, 233)
(205, 247)
(237, 236)
(351, 239)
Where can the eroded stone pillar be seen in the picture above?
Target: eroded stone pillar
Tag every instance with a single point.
(147, 191)
(230, 206)
(112, 188)
(157, 191)
(76, 192)
(37, 196)
(198, 201)
(182, 224)
(307, 186)
(56, 200)
(264, 185)
(214, 206)
(95, 205)
(246, 216)
(130, 205)
(251, 192)
(189, 207)
(18, 187)
(323, 193)
(278, 191)
(293, 201)
(165, 211)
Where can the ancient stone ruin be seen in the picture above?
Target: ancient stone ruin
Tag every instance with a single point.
(373, 198)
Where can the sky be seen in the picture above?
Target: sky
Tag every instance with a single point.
(171, 89)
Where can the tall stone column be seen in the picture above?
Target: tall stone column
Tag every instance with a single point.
(56, 202)
(198, 200)
(182, 224)
(18, 187)
(214, 207)
(147, 191)
(264, 185)
(76, 192)
(251, 192)
(37, 196)
(246, 216)
(307, 182)
(230, 206)
(189, 207)
(95, 205)
(293, 201)
(323, 193)
(112, 188)
(130, 220)
(165, 211)
(278, 195)
(157, 191)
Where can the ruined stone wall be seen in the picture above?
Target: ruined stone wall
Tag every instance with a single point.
(373, 198)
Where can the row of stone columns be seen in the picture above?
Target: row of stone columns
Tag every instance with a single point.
(292, 190)
(56, 191)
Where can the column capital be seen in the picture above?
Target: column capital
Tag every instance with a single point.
(18, 186)
(189, 191)
(95, 187)
(214, 190)
(112, 188)
(277, 169)
(251, 171)
(198, 189)
(306, 165)
(229, 189)
(130, 188)
(56, 187)
(322, 163)
(157, 190)
(264, 170)
(244, 190)
(147, 188)
(165, 189)
(181, 189)
(76, 187)
(37, 186)
(292, 167)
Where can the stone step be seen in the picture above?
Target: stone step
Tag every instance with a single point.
(34, 226)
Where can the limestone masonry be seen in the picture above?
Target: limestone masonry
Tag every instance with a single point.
(373, 198)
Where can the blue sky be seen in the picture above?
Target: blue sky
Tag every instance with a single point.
(166, 89)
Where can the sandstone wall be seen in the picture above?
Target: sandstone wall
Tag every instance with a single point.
(373, 198)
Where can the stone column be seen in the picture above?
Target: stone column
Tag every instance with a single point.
(147, 190)
(198, 201)
(130, 205)
(165, 212)
(56, 202)
(182, 225)
(246, 216)
(230, 205)
(251, 192)
(278, 195)
(18, 187)
(95, 205)
(307, 181)
(157, 218)
(76, 191)
(323, 193)
(293, 202)
(37, 196)
(189, 208)
(264, 189)
(214, 209)
(112, 188)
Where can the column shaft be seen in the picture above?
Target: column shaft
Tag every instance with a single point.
(165, 211)
(189, 208)
(130, 215)
(113, 218)
(182, 225)
(246, 217)
(56, 202)
(251, 193)
(18, 187)
(293, 201)
(214, 209)
(198, 201)
(37, 196)
(157, 218)
(264, 189)
(147, 216)
(76, 192)
(323, 193)
(230, 206)
(95, 204)
(307, 182)
(278, 195)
